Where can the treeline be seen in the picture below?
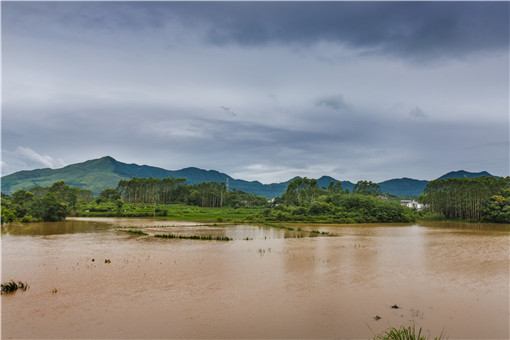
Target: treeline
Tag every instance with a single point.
(304, 200)
(51, 203)
(175, 190)
(480, 198)
(153, 190)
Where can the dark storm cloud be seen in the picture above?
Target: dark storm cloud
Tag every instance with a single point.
(416, 29)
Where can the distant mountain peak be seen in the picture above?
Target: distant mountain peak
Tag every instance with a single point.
(465, 174)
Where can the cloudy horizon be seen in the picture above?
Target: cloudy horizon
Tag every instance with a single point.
(259, 90)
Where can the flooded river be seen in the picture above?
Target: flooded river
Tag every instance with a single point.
(265, 283)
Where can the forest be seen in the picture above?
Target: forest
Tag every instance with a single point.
(478, 199)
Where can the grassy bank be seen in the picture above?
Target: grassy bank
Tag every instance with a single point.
(178, 212)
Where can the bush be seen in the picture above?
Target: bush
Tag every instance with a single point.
(27, 219)
(7, 215)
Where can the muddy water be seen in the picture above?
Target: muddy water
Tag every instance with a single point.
(273, 285)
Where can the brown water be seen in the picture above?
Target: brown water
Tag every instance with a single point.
(274, 285)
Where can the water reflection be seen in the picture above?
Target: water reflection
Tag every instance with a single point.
(53, 228)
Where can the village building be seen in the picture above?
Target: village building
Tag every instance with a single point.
(412, 204)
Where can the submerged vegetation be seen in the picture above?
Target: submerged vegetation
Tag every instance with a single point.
(12, 286)
(478, 199)
(195, 237)
(136, 232)
(405, 333)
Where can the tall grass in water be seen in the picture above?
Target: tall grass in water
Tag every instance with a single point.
(278, 226)
(136, 232)
(404, 333)
(195, 237)
(12, 286)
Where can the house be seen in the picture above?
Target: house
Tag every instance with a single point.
(412, 204)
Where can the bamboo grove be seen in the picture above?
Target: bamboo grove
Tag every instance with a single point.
(470, 199)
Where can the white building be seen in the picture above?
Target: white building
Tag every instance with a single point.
(412, 204)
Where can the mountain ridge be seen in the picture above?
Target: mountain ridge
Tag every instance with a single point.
(105, 172)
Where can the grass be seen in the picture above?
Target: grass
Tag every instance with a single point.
(195, 237)
(136, 232)
(12, 286)
(177, 212)
(405, 333)
(278, 226)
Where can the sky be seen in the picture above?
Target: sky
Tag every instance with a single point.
(258, 90)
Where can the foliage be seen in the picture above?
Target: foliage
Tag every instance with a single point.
(301, 191)
(49, 209)
(175, 190)
(404, 333)
(333, 207)
(8, 215)
(108, 194)
(480, 198)
(367, 188)
(52, 203)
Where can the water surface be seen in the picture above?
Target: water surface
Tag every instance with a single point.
(266, 283)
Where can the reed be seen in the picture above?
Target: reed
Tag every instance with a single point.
(195, 237)
(405, 333)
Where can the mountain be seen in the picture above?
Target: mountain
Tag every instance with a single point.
(403, 186)
(466, 174)
(105, 172)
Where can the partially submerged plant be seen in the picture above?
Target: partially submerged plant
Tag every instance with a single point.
(195, 237)
(136, 232)
(404, 333)
(12, 286)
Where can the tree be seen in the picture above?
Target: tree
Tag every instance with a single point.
(49, 209)
(479, 198)
(22, 196)
(109, 194)
(367, 188)
(335, 187)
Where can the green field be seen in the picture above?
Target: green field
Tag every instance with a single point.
(178, 212)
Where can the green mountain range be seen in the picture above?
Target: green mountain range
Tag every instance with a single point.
(105, 172)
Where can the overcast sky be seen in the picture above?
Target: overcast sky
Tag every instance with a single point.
(261, 91)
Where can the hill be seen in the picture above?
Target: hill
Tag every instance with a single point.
(403, 186)
(105, 172)
(466, 174)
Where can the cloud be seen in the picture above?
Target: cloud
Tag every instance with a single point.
(417, 30)
(23, 158)
(336, 102)
(159, 82)
(417, 113)
(409, 30)
(228, 111)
